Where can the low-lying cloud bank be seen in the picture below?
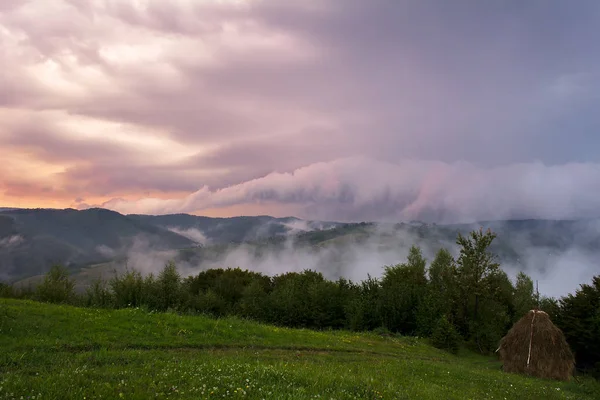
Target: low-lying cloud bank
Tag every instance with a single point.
(10, 241)
(558, 272)
(363, 189)
(191, 233)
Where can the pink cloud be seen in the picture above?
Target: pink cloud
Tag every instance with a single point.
(278, 102)
(364, 189)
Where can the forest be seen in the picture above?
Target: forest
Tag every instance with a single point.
(466, 300)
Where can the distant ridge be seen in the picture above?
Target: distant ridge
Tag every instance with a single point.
(31, 240)
(71, 237)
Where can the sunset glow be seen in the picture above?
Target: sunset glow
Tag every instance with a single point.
(317, 109)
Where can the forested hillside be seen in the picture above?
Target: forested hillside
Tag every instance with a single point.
(32, 240)
(464, 300)
(92, 242)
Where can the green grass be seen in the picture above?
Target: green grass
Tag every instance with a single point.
(63, 352)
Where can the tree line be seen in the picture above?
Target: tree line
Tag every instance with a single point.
(464, 301)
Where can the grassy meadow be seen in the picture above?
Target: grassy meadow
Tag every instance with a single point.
(64, 352)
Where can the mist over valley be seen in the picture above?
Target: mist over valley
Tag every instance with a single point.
(95, 243)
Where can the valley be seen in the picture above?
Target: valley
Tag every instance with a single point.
(98, 243)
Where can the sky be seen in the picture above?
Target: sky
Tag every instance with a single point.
(341, 110)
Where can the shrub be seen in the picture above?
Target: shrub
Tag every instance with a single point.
(210, 303)
(6, 290)
(128, 289)
(98, 295)
(382, 331)
(363, 305)
(254, 302)
(445, 336)
(56, 287)
(168, 286)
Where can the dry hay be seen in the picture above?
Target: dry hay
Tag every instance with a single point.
(535, 346)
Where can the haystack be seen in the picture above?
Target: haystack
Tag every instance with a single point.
(535, 346)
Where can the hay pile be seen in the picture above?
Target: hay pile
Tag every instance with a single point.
(535, 346)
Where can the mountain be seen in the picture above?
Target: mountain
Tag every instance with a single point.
(233, 229)
(33, 239)
(94, 241)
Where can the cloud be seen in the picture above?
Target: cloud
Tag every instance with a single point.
(324, 109)
(11, 241)
(297, 225)
(559, 272)
(143, 256)
(343, 259)
(355, 257)
(192, 233)
(363, 189)
(105, 251)
(109, 99)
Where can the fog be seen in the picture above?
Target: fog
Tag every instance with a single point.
(558, 274)
(10, 241)
(355, 257)
(192, 233)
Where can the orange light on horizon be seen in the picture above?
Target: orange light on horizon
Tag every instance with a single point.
(225, 212)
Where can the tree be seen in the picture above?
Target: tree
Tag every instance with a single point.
(402, 289)
(480, 281)
(441, 293)
(56, 287)
(445, 336)
(254, 303)
(128, 289)
(229, 284)
(363, 306)
(495, 314)
(291, 300)
(168, 286)
(6, 290)
(551, 307)
(211, 303)
(579, 320)
(524, 296)
(476, 264)
(442, 271)
(98, 294)
(326, 299)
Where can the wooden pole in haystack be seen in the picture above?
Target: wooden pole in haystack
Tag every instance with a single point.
(535, 346)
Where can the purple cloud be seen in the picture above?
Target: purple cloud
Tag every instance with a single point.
(360, 188)
(338, 109)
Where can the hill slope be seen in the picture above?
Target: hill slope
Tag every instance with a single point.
(62, 352)
(233, 229)
(32, 240)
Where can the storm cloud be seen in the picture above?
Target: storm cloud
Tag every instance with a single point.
(426, 191)
(349, 110)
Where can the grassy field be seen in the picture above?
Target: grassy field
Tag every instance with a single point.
(63, 352)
